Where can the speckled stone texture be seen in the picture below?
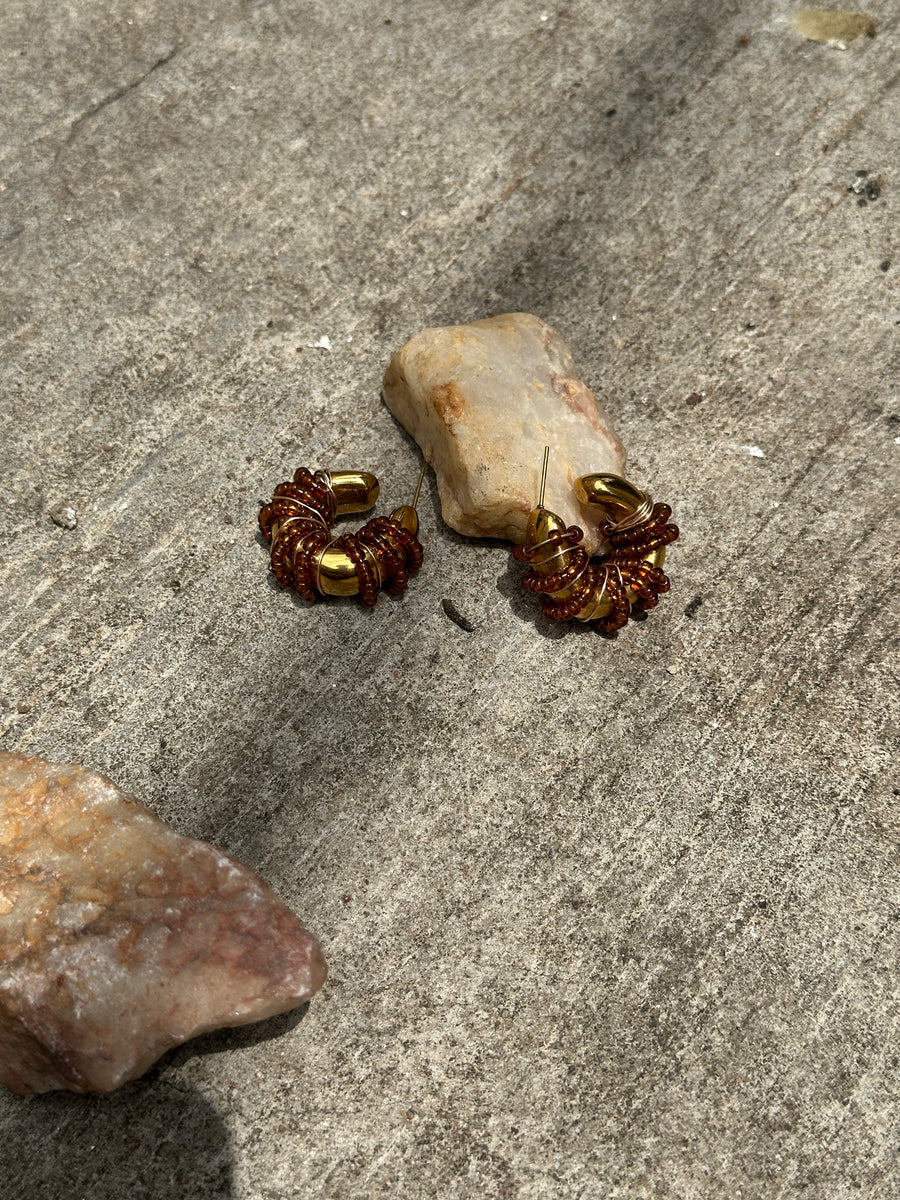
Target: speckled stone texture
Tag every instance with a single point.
(119, 939)
(482, 400)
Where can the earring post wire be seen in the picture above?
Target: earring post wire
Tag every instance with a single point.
(544, 476)
(419, 486)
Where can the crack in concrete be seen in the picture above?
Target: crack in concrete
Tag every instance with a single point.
(117, 94)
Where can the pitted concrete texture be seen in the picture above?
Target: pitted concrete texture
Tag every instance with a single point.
(605, 917)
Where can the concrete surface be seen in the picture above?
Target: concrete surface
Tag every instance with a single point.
(606, 918)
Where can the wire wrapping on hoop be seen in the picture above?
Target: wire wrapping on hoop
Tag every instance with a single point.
(573, 535)
(598, 599)
(314, 514)
(631, 520)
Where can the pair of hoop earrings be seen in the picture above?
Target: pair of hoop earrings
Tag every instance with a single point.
(386, 551)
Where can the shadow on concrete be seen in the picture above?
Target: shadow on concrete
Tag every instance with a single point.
(154, 1138)
(240, 1037)
(149, 1140)
(622, 109)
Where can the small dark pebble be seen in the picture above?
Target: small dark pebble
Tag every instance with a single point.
(23, 708)
(886, 265)
(610, 112)
(691, 608)
(694, 399)
(456, 616)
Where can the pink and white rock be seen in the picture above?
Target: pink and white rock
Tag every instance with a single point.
(119, 938)
(482, 401)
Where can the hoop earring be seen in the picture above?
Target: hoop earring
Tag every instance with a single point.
(630, 577)
(297, 522)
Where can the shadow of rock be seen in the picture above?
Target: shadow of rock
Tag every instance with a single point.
(151, 1140)
(239, 1037)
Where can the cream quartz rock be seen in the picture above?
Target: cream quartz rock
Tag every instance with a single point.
(119, 938)
(482, 401)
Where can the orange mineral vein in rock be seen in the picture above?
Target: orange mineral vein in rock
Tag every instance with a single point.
(119, 938)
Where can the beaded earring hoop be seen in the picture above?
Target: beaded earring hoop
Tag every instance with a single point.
(629, 577)
(304, 555)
